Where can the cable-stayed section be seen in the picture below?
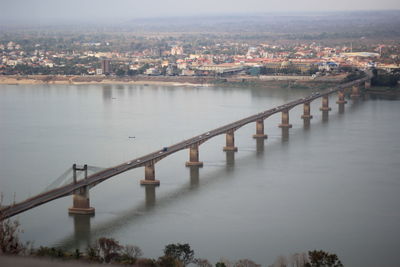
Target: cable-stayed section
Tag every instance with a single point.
(67, 177)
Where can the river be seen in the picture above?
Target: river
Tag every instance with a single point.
(334, 185)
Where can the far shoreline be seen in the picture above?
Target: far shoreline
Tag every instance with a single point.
(194, 81)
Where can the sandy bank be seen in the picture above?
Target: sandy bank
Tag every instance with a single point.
(142, 80)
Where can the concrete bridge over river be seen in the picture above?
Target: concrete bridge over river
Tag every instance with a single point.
(80, 188)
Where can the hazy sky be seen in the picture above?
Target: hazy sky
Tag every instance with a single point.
(43, 10)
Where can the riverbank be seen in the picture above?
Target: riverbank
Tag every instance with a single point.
(143, 80)
(167, 80)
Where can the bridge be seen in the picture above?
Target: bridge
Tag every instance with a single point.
(79, 188)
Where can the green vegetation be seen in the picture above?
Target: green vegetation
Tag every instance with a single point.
(9, 241)
(355, 75)
(320, 258)
(387, 79)
(108, 250)
(180, 252)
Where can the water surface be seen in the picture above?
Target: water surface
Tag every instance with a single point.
(332, 186)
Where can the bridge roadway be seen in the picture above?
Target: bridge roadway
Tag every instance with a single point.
(96, 178)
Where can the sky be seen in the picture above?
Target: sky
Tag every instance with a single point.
(45, 10)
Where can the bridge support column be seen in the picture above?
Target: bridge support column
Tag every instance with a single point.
(285, 120)
(81, 200)
(325, 104)
(307, 112)
(194, 156)
(341, 99)
(149, 175)
(260, 130)
(367, 84)
(355, 92)
(230, 141)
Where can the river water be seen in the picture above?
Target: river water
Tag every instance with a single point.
(334, 185)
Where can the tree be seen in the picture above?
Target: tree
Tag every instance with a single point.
(132, 72)
(120, 72)
(202, 263)
(108, 248)
(130, 254)
(181, 252)
(246, 263)
(169, 261)
(299, 259)
(9, 240)
(281, 261)
(320, 258)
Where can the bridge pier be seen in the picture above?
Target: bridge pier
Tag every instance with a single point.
(80, 198)
(325, 104)
(194, 156)
(149, 175)
(230, 141)
(307, 111)
(260, 130)
(341, 99)
(355, 92)
(81, 202)
(285, 120)
(367, 84)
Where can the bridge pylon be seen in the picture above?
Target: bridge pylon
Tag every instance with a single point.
(81, 200)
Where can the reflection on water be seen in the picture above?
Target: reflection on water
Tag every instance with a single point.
(107, 93)
(285, 134)
(325, 116)
(355, 100)
(150, 195)
(260, 146)
(194, 176)
(82, 232)
(341, 108)
(230, 160)
(306, 123)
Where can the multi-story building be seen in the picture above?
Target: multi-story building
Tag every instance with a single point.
(106, 66)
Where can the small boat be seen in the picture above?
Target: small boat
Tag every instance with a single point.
(131, 137)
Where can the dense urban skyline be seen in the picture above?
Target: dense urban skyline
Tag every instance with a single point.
(47, 10)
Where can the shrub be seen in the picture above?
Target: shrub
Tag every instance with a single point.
(9, 241)
(181, 252)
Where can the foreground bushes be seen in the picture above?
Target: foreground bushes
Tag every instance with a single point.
(108, 250)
